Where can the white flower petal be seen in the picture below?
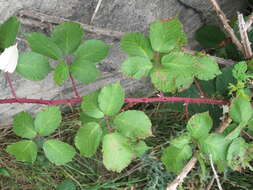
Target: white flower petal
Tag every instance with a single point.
(9, 59)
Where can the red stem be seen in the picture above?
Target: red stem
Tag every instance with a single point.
(7, 77)
(177, 99)
(74, 86)
(127, 100)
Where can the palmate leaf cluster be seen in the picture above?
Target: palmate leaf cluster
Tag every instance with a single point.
(66, 47)
(159, 56)
(227, 149)
(121, 133)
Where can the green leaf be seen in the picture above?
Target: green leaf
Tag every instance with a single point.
(136, 44)
(206, 68)
(61, 73)
(86, 119)
(68, 36)
(88, 138)
(42, 44)
(25, 150)
(23, 125)
(210, 36)
(175, 158)
(91, 51)
(236, 152)
(5, 172)
(133, 124)
(240, 110)
(47, 121)
(235, 132)
(176, 74)
(117, 152)
(216, 145)
(165, 36)
(66, 184)
(140, 148)
(111, 98)
(58, 152)
(90, 105)
(199, 125)
(84, 71)
(239, 71)
(8, 32)
(181, 141)
(223, 80)
(136, 67)
(33, 66)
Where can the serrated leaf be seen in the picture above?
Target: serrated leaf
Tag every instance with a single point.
(181, 141)
(241, 110)
(23, 125)
(206, 68)
(90, 105)
(165, 36)
(140, 148)
(111, 98)
(210, 36)
(33, 66)
(236, 152)
(175, 158)
(176, 74)
(199, 125)
(91, 51)
(216, 145)
(239, 71)
(58, 152)
(133, 124)
(61, 73)
(8, 32)
(25, 150)
(136, 67)
(136, 44)
(47, 121)
(84, 71)
(88, 138)
(66, 184)
(68, 36)
(42, 44)
(117, 152)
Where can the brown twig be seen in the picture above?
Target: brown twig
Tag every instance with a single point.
(249, 22)
(244, 37)
(215, 173)
(210, 184)
(180, 178)
(226, 25)
(34, 18)
(96, 10)
(221, 61)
